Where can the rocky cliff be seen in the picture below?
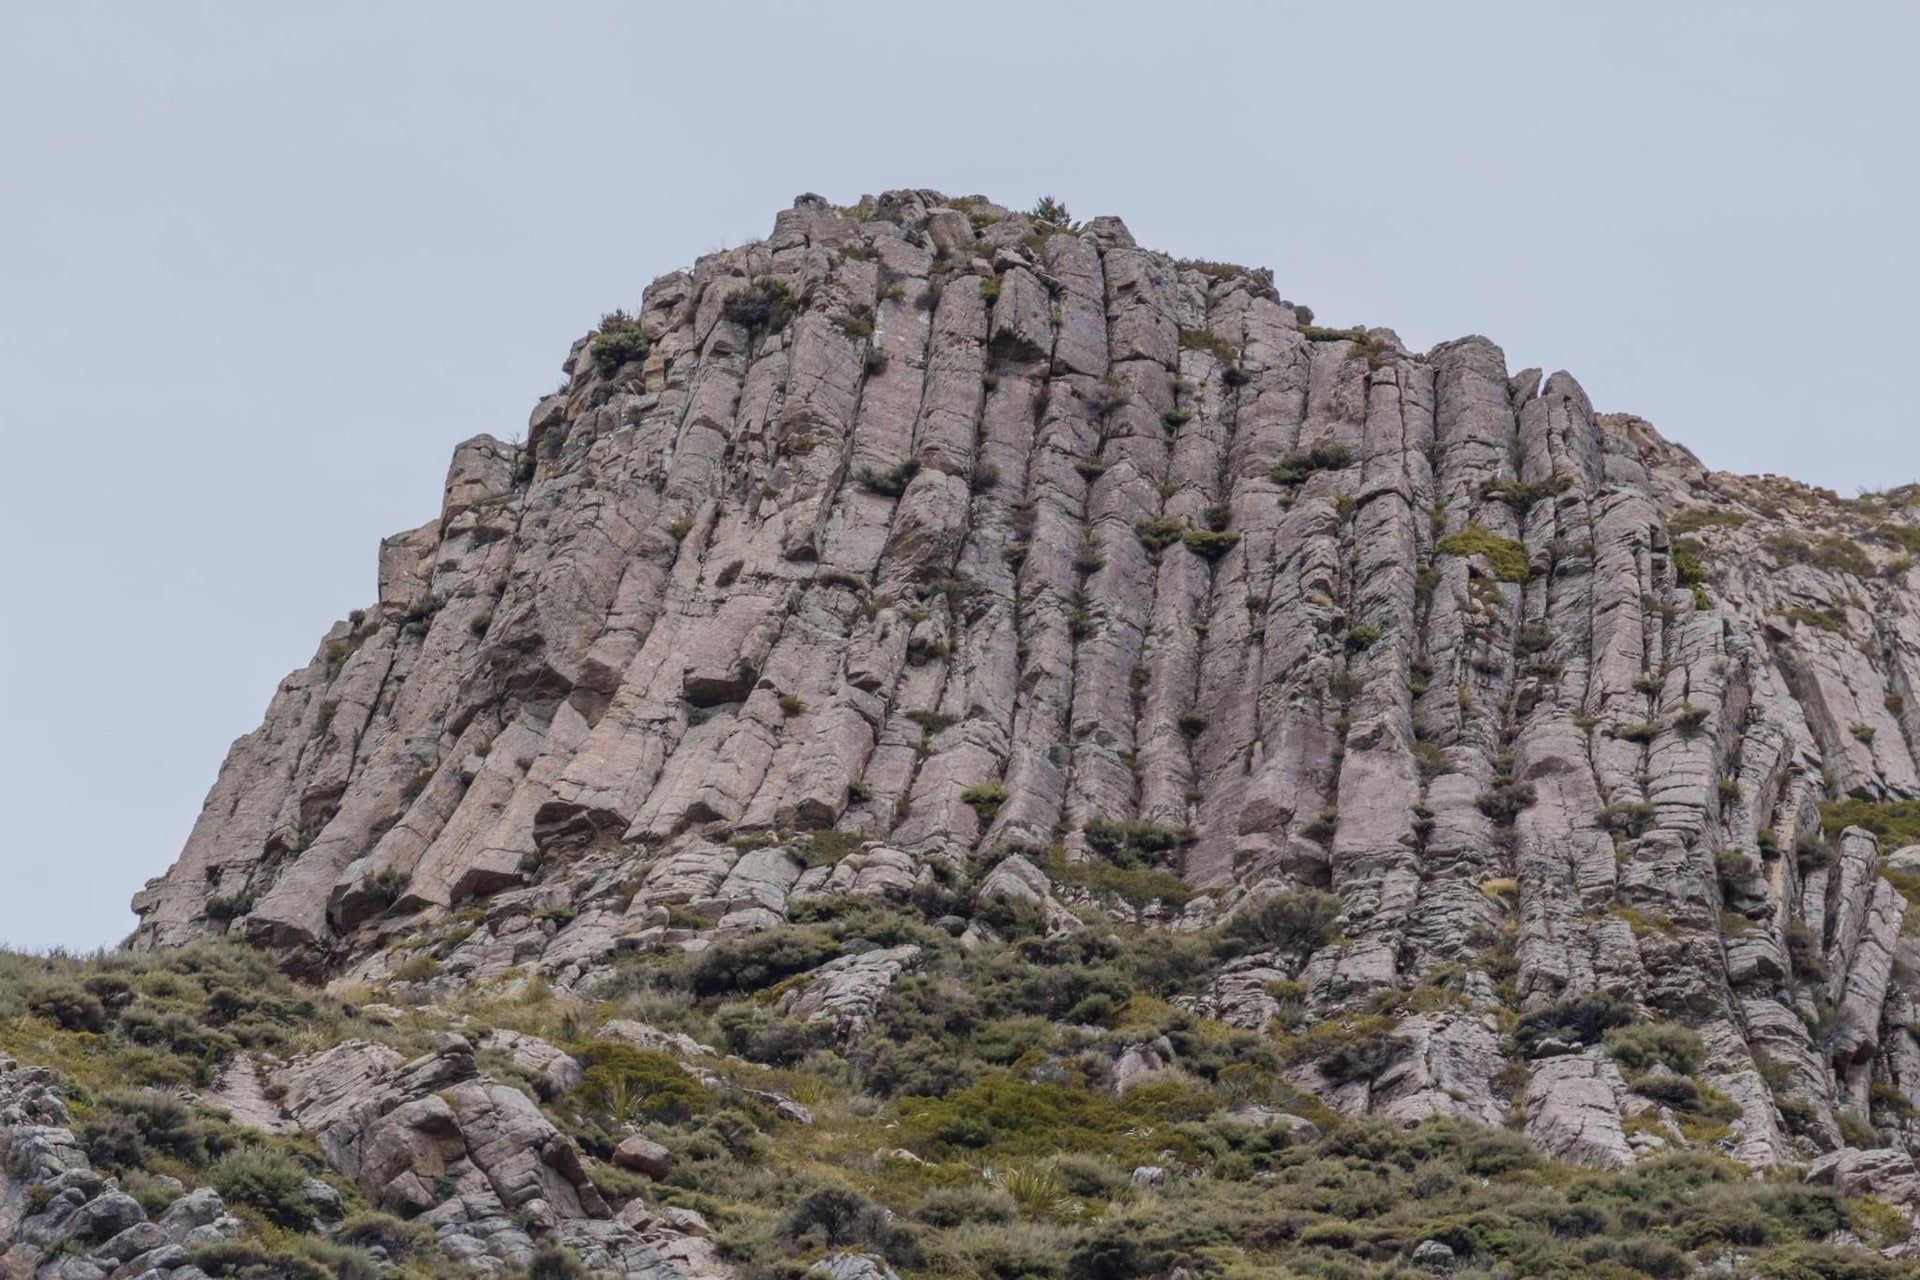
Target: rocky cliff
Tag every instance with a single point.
(931, 548)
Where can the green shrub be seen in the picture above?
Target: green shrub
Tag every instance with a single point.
(1506, 801)
(1896, 823)
(1052, 212)
(1322, 827)
(957, 1206)
(1137, 885)
(554, 1261)
(68, 1006)
(1210, 544)
(1637, 1046)
(835, 1217)
(1521, 495)
(400, 1239)
(127, 1130)
(762, 305)
(1365, 1059)
(267, 1180)
(1212, 343)
(386, 885)
(1159, 533)
(619, 341)
(255, 1259)
(1626, 817)
(759, 960)
(1826, 1262)
(1135, 836)
(627, 1085)
(1695, 521)
(986, 799)
(1301, 921)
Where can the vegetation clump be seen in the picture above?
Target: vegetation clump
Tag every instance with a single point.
(892, 482)
(1293, 469)
(1131, 838)
(986, 799)
(1506, 557)
(619, 341)
(1522, 494)
(1157, 533)
(1210, 544)
(765, 304)
(1896, 823)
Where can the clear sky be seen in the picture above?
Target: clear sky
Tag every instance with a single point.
(261, 266)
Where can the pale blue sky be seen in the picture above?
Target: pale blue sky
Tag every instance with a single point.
(261, 268)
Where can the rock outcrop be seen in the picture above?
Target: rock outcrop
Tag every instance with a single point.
(924, 530)
(78, 1224)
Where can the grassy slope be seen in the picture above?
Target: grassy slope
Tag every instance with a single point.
(991, 1066)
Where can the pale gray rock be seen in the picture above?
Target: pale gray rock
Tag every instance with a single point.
(854, 1266)
(1885, 1173)
(1572, 1108)
(846, 992)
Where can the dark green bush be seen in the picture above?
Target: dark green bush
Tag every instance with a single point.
(764, 304)
(1302, 921)
(759, 960)
(1577, 1019)
(554, 1261)
(69, 1006)
(127, 1130)
(267, 1180)
(619, 341)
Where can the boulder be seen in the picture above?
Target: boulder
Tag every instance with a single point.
(643, 1155)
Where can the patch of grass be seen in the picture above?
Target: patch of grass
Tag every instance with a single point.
(1211, 343)
(1521, 495)
(1896, 823)
(1831, 618)
(1506, 557)
(1138, 886)
(1705, 518)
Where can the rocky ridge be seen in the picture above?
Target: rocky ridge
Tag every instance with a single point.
(928, 545)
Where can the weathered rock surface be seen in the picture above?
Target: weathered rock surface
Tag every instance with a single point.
(1020, 533)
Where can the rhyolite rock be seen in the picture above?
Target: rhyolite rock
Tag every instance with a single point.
(1069, 543)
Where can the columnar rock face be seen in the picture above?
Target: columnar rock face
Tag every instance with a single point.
(924, 529)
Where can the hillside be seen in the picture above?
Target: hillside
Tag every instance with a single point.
(964, 744)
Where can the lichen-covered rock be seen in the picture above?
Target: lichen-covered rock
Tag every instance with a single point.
(1572, 1107)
